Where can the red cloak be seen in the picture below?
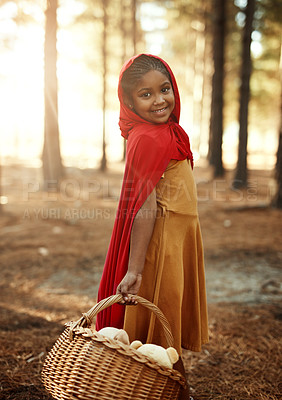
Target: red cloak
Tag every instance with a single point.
(150, 147)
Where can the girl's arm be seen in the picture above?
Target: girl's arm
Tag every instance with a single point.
(141, 233)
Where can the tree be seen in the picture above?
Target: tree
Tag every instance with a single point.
(53, 170)
(277, 201)
(1, 205)
(189, 48)
(104, 57)
(270, 83)
(134, 27)
(246, 69)
(124, 32)
(216, 123)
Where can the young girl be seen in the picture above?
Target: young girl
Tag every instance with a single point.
(156, 246)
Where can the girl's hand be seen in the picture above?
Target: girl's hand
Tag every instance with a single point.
(129, 285)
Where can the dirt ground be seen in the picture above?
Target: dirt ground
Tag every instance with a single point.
(52, 250)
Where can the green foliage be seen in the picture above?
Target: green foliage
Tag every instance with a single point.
(265, 84)
(186, 19)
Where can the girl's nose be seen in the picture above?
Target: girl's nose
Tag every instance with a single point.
(158, 99)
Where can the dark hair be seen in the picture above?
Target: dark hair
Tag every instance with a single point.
(140, 66)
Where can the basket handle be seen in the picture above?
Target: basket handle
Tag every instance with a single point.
(109, 301)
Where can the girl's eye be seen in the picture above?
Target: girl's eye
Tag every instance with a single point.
(147, 94)
(165, 90)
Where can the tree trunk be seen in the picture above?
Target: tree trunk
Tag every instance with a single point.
(241, 175)
(206, 98)
(104, 54)
(198, 86)
(134, 29)
(52, 163)
(277, 201)
(216, 123)
(1, 205)
(123, 31)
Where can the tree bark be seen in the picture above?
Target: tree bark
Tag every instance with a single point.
(198, 89)
(205, 111)
(241, 175)
(51, 158)
(134, 28)
(104, 55)
(216, 123)
(1, 205)
(123, 31)
(277, 200)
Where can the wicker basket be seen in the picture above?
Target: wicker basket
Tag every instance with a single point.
(85, 365)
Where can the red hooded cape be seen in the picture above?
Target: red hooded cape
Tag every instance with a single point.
(150, 147)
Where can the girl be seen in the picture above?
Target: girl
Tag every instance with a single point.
(156, 246)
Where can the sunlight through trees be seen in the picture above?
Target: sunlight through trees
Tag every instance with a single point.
(182, 32)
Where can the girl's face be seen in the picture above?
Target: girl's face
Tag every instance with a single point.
(153, 97)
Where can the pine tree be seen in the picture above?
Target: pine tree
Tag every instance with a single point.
(53, 170)
(105, 70)
(277, 201)
(216, 123)
(246, 69)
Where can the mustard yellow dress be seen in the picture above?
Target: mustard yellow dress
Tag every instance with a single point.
(173, 276)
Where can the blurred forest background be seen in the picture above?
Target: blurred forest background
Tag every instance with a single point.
(61, 163)
(225, 55)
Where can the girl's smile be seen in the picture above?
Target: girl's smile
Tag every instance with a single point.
(153, 97)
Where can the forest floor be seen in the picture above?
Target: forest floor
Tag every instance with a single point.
(52, 250)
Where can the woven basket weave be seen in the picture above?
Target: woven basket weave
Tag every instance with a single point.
(85, 365)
